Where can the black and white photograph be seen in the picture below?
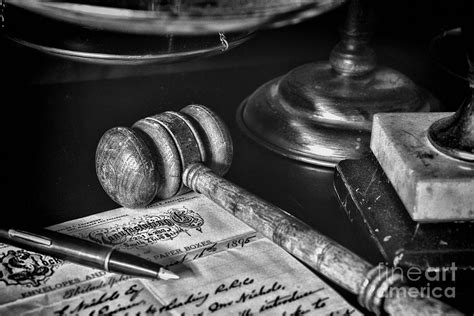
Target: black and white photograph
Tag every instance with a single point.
(237, 157)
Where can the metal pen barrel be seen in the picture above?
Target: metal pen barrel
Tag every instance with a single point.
(83, 252)
(60, 246)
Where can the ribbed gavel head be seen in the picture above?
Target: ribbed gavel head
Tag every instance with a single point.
(140, 164)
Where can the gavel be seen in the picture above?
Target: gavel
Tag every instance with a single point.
(167, 154)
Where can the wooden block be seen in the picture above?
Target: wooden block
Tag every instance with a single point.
(432, 186)
(374, 207)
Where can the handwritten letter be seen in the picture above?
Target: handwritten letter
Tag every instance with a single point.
(226, 268)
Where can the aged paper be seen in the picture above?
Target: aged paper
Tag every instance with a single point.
(226, 268)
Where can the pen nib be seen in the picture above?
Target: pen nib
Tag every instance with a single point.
(167, 275)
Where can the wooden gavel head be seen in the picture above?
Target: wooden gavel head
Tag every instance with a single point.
(146, 162)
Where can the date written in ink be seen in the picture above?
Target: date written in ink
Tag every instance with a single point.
(240, 242)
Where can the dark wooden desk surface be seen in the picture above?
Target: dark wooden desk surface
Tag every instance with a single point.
(55, 111)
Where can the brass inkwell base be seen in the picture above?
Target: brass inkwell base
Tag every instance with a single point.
(321, 113)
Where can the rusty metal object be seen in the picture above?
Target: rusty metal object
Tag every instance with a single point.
(318, 251)
(322, 112)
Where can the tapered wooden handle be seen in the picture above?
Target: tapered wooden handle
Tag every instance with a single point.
(318, 251)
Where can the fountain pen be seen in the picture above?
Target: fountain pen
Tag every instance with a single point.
(84, 252)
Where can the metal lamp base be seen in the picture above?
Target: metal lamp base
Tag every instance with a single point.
(454, 135)
(319, 116)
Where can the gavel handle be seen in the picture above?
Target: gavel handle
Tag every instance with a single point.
(318, 251)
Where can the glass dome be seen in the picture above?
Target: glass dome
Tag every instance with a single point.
(138, 31)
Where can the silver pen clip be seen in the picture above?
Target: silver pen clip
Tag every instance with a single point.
(30, 237)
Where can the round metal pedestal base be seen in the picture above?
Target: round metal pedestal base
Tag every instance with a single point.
(318, 116)
(454, 135)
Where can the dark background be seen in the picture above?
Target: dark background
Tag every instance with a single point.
(54, 112)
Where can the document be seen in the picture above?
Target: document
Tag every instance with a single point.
(225, 268)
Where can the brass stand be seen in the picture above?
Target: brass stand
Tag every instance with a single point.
(322, 112)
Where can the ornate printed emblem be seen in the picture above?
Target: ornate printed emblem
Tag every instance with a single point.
(20, 267)
(149, 229)
(186, 218)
